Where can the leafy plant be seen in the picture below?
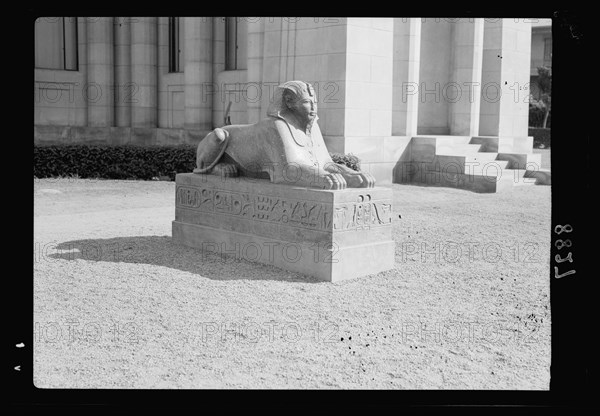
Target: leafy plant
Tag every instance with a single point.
(544, 83)
(350, 160)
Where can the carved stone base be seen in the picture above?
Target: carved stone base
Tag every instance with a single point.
(331, 235)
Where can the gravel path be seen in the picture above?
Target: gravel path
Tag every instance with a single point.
(118, 305)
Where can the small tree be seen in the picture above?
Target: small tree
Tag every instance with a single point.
(544, 83)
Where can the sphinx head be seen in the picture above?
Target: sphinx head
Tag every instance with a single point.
(299, 98)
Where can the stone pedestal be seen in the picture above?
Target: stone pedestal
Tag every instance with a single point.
(331, 235)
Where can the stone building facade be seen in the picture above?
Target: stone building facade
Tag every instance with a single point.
(394, 91)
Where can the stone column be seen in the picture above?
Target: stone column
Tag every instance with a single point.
(144, 110)
(435, 75)
(369, 77)
(82, 118)
(198, 73)
(349, 61)
(255, 65)
(100, 82)
(123, 85)
(463, 93)
(271, 58)
(407, 57)
(163, 69)
(505, 78)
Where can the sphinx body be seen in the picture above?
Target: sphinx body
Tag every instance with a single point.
(287, 147)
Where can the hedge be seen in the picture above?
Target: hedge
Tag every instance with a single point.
(125, 162)
(112, 162)
(536, 117)
(541, 137)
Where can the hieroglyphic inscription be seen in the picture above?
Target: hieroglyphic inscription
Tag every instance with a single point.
(361, 214)
(298, 213)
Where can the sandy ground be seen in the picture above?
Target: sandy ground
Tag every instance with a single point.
(119, 305)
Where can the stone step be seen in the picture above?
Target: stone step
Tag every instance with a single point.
(479, 181)
(512, 178)
(528, 161)
(478, 164)
(449, 140)
(471, 157)
(542, 176)
(516, 176)
(475, 183)
(504, 144)
(456, 149)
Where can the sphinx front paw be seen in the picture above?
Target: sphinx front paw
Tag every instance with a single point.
(335, 181)
(360, 180)
(368, 181)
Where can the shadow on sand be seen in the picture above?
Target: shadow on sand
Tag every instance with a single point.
(162, 251)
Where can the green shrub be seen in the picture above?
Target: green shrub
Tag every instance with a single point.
(349, 160)
(112, 162)
(537, 112)
(126, 162)
(541, 137)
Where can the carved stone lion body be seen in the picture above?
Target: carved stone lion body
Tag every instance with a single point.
(287, 147)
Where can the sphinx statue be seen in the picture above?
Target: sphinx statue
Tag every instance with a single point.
(287, 147)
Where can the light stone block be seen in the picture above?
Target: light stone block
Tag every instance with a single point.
(143, 135)
(335, 144)
(379, 97)
(380, 123)
(272, 45)
(368, 149)
(358, 67)
(358, 95)
(364, 22)
(330, 235)
(334, 122)
(307, 42)
(396, 148)
(305, 68)
(334, 39)
(336, 66)
(381, 23)
(331, 94)
(381, 69)
(382, 172)
(307, 23)
(509, 39)
(357, 123)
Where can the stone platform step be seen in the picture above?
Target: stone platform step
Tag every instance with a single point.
(479, 163)
(504, 144)
(447, 140)
(456, 149)
(469, 157)
(542, 176)
(526, 161)
(476, 182)
(516, 176)
(513, 177)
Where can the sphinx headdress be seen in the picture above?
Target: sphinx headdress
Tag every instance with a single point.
(300, 88)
